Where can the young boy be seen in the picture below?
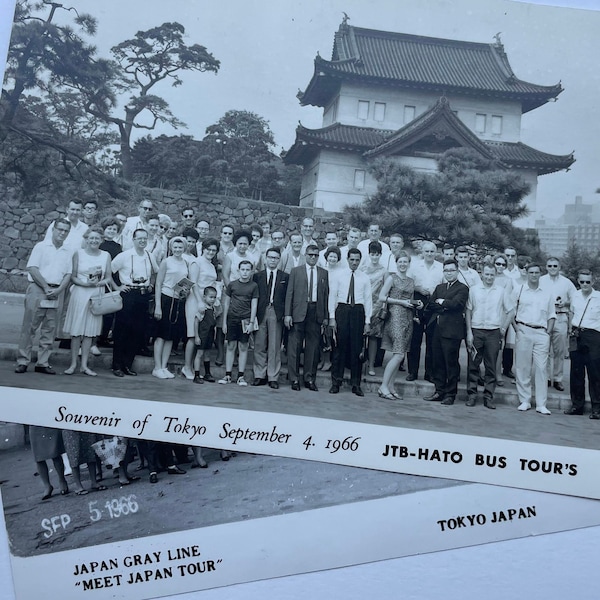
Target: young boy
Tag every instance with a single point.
(204, 328)
(239, 304)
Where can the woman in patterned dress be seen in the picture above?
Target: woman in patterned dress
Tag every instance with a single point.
(376, 272)
(397, 291)
(91, 273)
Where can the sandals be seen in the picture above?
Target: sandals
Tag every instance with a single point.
(69, 371)
(89, 372)
(99, 488)
(385, 396)
(202, 465)
(81, 492)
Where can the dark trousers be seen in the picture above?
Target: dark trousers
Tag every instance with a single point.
(414, 350)
(446, 369)
(305, 332)
(586, 358)
(487, 343)
(350, 321)
(130, 328)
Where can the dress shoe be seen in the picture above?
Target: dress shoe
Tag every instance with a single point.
(129, 372)
(524, 406)
(21, 369)
(175, 470)
(573, 411)
(357, 390)
(334, 389)
(274, 385)
(296, 386)
(559, 386)
(508, 374)
(259, 381)
(595, 415)
(153, 478)
(45, 370)
(118, 373)
(209, 378)
(448, 401)
(471, 401)
(543, 410)
(311, 385)
(489, 403)
(435, 397)
(411, 377)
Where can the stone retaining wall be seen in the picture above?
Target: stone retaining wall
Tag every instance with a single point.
(24, 222)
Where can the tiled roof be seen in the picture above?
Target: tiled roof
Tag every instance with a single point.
(517, 154)
(415, 61)
(368, 141)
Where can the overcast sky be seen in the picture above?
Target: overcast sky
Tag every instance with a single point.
(267, 50)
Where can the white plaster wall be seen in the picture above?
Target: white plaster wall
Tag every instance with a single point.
(395, 99)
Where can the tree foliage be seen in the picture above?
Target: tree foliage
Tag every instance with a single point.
(576, 258)
(235, 158)
(468, 200)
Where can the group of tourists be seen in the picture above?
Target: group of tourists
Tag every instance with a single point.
(333, 307)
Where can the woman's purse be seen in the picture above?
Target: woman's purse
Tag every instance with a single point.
(382, 313)
(105, 304)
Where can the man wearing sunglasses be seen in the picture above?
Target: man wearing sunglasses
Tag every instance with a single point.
(585, 328)
(145, 209)
(562, 290)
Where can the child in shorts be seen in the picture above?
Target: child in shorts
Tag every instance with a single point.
(240, 303)
(204, 329)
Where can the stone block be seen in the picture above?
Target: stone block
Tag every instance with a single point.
(12, 233)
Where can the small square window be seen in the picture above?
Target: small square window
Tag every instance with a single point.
(363, 109)
(480, 123)
(496, 125)
(409, 113)
(379, 111)
(359, 179)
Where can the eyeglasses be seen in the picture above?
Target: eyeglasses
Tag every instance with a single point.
(188, 216)
(146, 208)
(450, 270)
(227, 233)
(500, 264)
(552, 266)
(312, 254)
(585, 281)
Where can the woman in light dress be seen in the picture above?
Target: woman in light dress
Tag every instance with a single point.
(91, 273)
(169, 309)
(397, 291)
(332, 256)
(376, 272)
(203, 273)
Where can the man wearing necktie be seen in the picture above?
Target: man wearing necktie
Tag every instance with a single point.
(350, 309)
(445, 314)
(305, 316)
(272, 287)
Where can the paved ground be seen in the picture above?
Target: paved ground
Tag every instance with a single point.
(411, 411)
(246, 487)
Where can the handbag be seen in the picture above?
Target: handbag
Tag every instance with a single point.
(105, 304)
(111, 451)
(383, 312)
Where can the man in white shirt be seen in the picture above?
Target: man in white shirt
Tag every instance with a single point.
(331, 240)
(352, 239)
(585, 323)
(203, 229)
(427, 274)
(293, 255)
(512, 266)
(49, 272)
(350, 310)
(466, 275)
(396, 246)
(78, 227)
(374, 235)
(145, 209)
(488, 312)
(562, 290)
(533, 321)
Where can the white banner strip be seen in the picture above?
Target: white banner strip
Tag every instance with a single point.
(542, 467)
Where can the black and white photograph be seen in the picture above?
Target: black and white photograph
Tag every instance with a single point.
(358, 215)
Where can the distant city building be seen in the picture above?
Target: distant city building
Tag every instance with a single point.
(412, 97)
(578, 212)
(554, 238)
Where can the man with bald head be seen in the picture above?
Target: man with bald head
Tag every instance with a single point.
(427, 274)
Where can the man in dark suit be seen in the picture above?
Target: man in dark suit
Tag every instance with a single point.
(272, 287)
(445, 314)
(305, 315)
